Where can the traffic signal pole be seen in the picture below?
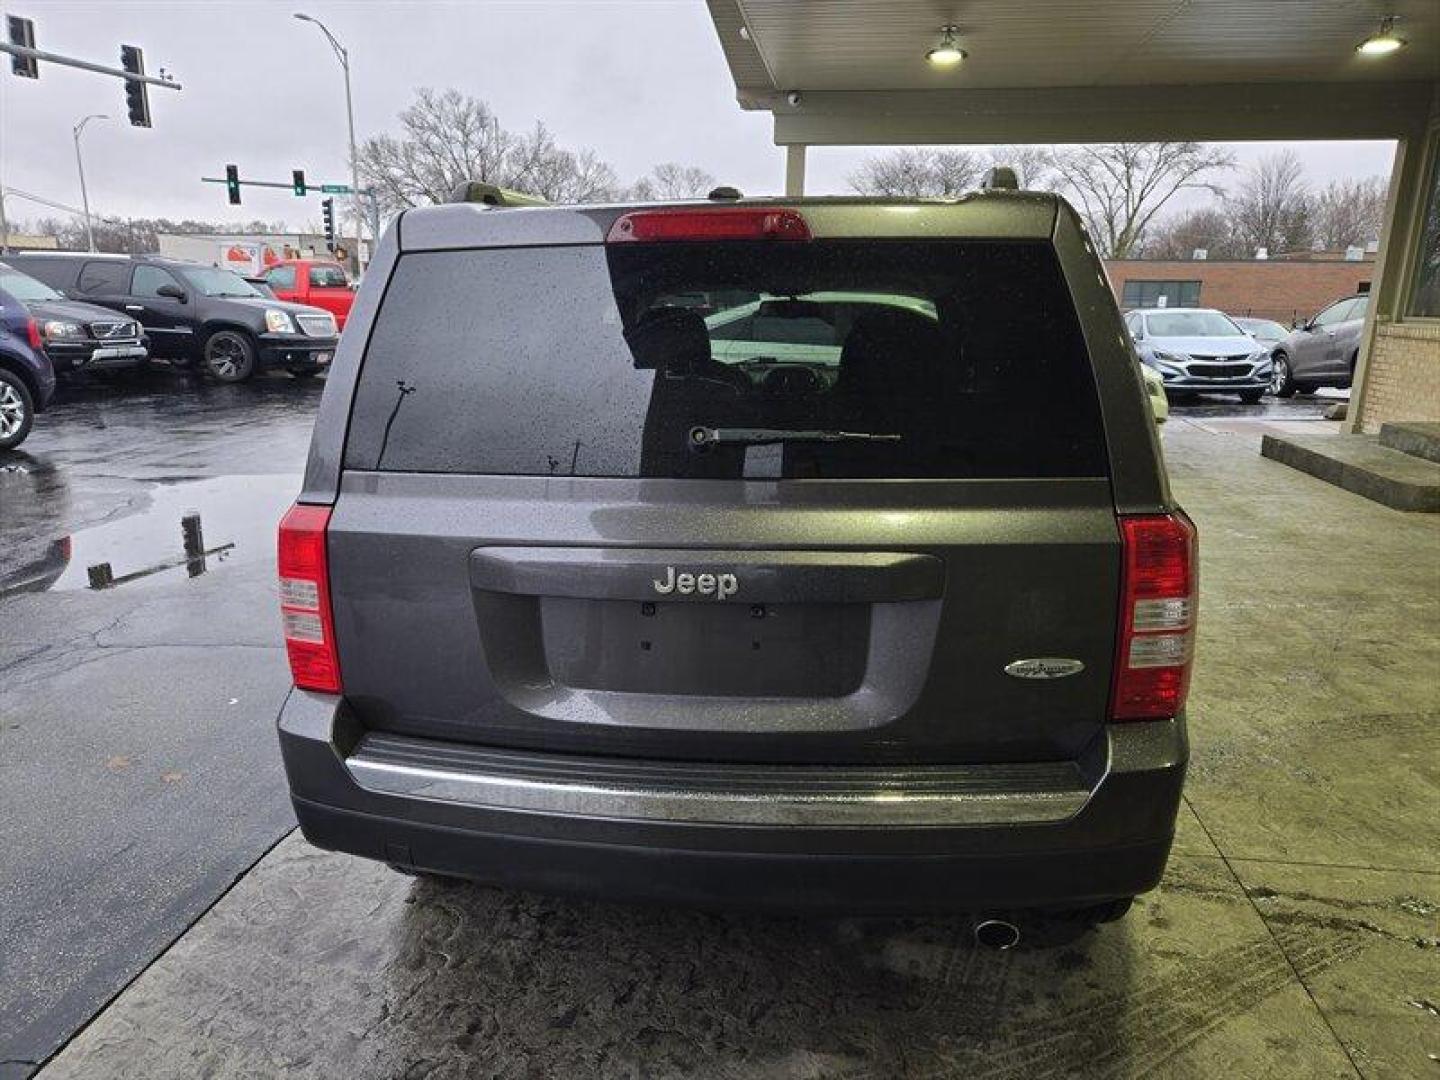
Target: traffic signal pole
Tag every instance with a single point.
(85, 65)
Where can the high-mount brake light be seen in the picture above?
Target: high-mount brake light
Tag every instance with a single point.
(1156, 642)
(723, 223)
(305, 599)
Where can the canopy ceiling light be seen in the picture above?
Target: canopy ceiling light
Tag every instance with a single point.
(948, 53)
(1384, 42)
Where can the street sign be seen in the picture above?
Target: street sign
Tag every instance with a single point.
(335, 189)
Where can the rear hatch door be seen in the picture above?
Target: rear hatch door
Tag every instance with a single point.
(833, 500)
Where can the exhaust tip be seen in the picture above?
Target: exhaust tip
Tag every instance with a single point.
(997, 934)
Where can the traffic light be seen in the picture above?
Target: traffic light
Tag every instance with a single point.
(137, 94)
(232, 183)
(22, 34)
(327, 212)
(297, 178)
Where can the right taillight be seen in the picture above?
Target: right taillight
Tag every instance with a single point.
(32, 331)
(1158, 585)
(305, 599)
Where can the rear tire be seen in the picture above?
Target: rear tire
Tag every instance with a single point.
(17, 410)
(230, 356)
(1282, 379)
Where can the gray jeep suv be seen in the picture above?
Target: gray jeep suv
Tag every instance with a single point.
(870, 598)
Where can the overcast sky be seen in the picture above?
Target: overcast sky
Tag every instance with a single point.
(638, 81)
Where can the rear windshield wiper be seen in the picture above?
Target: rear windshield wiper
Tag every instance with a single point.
(701, 437)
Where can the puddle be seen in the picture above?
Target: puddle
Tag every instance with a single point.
(189, 528)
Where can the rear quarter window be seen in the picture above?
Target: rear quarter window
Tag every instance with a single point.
(595, 361)
(57, 273)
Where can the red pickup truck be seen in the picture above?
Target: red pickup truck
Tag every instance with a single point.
(319, 283)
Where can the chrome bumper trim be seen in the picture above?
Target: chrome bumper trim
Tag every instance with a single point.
(758, 797)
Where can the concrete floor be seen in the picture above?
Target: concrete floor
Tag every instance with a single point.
(1297, 932)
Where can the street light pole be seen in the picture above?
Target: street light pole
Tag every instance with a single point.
(344, 57)
(78, 130)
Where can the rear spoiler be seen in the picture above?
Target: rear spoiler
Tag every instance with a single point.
(473, 191)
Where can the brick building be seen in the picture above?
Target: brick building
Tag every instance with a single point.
(1279, 289)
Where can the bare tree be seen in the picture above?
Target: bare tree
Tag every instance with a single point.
(540, 166)
(1034, 165)
(1206, 227)
(669, 180)
(1347, 213)
(448, 137)
(1120, 187)
(915, 172)
(1271, 209)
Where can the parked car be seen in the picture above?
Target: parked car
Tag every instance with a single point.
(1321, 351)
(76, 336)
(27, 377)
(1200, 350)
(1266, 331)
(317, 282)
(574, 601)
(192, 312)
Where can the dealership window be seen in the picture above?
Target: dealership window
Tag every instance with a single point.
(1148, 294)
(1425, 293)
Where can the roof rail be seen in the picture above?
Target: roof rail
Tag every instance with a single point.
(1000, 178)
(477, 192)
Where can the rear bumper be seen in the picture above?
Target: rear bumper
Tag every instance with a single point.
(996, 847)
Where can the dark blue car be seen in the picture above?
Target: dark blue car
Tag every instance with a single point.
(27, 378)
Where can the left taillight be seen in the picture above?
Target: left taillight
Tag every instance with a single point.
(1157, 617)
(305, 599)
(32, 330)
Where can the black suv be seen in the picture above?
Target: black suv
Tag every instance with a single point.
(192, 312)
(809, 553)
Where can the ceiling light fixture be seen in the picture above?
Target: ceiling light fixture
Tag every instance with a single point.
(948, 53)
(1383, 43)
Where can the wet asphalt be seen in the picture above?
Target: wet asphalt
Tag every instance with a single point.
(139, 776)
(138, 771)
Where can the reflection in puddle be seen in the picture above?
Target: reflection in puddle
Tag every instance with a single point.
(197, 525)
(192, 534)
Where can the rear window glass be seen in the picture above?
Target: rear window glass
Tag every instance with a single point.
(817, 360)
(323, 276)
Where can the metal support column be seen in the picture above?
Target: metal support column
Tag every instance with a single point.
(795, 170)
